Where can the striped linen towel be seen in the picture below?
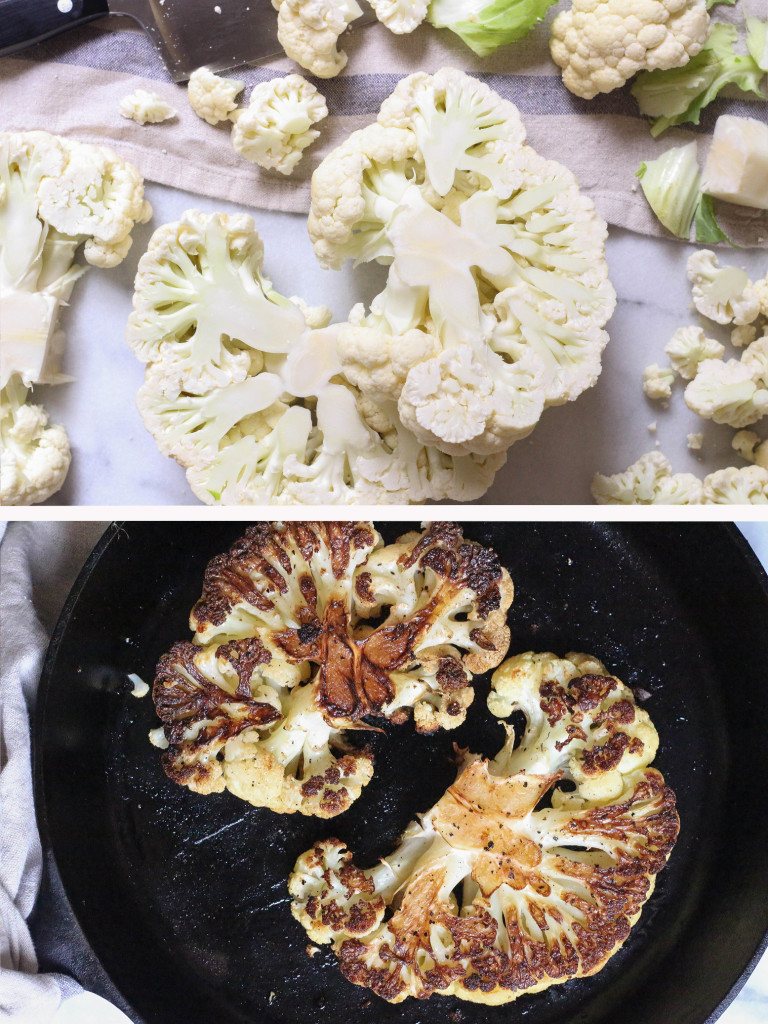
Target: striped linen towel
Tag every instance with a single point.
(73, 83)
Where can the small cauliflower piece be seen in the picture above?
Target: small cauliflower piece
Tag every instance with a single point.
(146, 107)
(211, 97)
(755, 358)
(737, 163)
(288, 657)
(695, 441)
(309, 32)
(400, 16)
(490, 897)
(733, 486)
(276, 127)
(727, 392)
(601, 44)
(649, 481)
(658, 381)
(751, 447)
(744, 335)
(688, 347)
(34, 457)
(722, 294)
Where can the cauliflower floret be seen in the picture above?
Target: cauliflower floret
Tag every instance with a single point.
(488, 245)
(400, 16)
(460, 125)
(658, 381)
(751, 447)
(211, 97)
(315, 317)
(726, 392)
(146, 107)
(34, 457)
(309, 31)
(688, 347)
(722, 294)
(276, 127)
(55, 194)
(649, 481)
(601, 44)
(285, 662)
(741, 336)
(755, 358)
(491, 897)
(737, 486)
(378, 362)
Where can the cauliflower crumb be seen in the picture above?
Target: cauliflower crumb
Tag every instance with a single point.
(146, 107)
(211, 97)
(276, 127)
(312, 951)
(695, 441)
(652, 427)
(658, 381)
(140, 688)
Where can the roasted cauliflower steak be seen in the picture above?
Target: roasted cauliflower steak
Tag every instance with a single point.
(303, 632)
(552, 847)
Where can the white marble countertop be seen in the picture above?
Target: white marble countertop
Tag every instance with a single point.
(115, 461)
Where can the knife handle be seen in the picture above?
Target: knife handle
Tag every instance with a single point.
(23, 22)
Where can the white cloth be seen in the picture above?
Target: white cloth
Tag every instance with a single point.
(38, 565)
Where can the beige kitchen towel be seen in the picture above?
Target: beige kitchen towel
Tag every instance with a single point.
(72, 85)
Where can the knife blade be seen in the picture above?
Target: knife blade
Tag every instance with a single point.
(188, 34)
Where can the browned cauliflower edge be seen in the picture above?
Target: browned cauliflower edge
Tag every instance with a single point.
(305, 630)
(550, 878)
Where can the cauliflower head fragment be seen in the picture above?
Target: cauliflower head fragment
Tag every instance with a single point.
(497, 289)
(146, 107)
(649, 481)
(34, 457)
(491, 897)
(309, 31)
(276, 127)
(55, 195)
(286, 659)
(601, 44)
(211, 97)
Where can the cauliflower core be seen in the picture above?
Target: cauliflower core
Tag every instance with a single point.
(492, 895)
(497, 289)
(601, 44)
(305, 629)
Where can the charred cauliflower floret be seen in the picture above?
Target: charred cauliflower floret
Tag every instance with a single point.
(305, 629)
(510, 883)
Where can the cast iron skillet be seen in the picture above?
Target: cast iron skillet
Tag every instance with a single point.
(183, 897)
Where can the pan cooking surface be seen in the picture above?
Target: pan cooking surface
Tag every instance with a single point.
(183, 897)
